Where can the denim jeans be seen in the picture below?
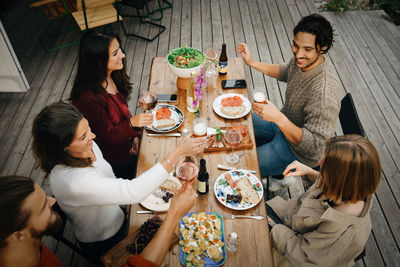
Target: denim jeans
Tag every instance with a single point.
(273, 150)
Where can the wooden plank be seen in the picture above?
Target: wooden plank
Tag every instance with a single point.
(374, 95)
(384, 237)
(55, 74)
(249, 35)
(227, 30)
(311, 6)
(196, 25)
(186, 24)
(271, 52)
(238, 32)
(163, 40)
(216, 24)
(373, 256)
(206, 28)
(18, 123)
(392, 32)
(175, 33)
(388, 94)
(373, 35)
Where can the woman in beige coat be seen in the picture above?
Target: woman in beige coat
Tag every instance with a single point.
(330, 223)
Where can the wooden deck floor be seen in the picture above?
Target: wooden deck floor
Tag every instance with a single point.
(365, 54)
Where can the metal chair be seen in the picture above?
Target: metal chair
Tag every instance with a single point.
(51, 10)
(140, 5)
(60, 236)
(348, 117)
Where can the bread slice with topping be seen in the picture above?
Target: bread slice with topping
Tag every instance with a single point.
(247, 191)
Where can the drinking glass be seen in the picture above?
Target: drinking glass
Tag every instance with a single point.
(259, 96)
(147, 100)
(187, 169)
(211, 73)
(199, 127)
(233, 137)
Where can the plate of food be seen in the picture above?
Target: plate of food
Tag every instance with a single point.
(202, 240)
(238, 190)
(166, 118)
(232, 106)
(160, 199)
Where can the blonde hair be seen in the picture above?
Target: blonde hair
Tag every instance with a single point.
(351, 169)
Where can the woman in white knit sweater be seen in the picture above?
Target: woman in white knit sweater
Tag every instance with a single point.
(84, 183)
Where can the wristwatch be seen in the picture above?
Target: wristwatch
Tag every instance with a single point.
(271, 224)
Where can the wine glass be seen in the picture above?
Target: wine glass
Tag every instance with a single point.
(233, 137)
(147, 100)
(187, 169)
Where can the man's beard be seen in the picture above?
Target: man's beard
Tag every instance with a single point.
(52, 228)
(312, 63)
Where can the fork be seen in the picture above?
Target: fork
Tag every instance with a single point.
(247, 216)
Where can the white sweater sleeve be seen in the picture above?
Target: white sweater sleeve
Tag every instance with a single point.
(84, 187)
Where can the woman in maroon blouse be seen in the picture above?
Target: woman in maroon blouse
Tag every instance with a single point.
(100, 92)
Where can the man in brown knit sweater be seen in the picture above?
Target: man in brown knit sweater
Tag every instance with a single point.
(311, 108)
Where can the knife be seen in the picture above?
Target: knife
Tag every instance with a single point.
(220, 166)
(166, 134)
(148, 212)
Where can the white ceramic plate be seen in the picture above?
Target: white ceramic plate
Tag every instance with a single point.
(222, 189)
(217, 106)
(176, 115)
(155, 203)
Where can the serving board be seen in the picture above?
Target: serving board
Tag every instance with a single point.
(222, 145)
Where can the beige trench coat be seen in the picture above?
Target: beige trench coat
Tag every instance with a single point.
(315, 234)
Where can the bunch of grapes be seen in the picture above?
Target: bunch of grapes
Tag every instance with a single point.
(146, 233)
(167, 196)
(233, 198)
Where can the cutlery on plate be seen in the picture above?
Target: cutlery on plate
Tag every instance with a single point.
(145, 212)
(247, 217)
(220, 166)
(166, 134)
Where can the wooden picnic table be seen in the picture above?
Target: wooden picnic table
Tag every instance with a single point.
(254, 247)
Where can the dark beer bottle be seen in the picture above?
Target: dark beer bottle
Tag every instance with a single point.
(223, 61)
(202, 178)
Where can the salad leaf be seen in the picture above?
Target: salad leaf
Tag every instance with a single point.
(219, 134)
(185, 57)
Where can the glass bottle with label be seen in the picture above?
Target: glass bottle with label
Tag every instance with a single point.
(223, 61)
(202, 178)
(190, 93)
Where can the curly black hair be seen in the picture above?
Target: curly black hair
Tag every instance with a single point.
(320, 27)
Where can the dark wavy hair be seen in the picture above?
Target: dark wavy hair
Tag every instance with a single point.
(13, 192)
(53, 130)
(92, 66)
(318, 26)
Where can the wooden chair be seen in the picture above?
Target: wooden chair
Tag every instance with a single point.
(50, 10)
(349, 118)
(94, 13)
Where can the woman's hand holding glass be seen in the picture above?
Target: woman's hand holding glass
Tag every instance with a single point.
(186, 147)
(141, 120)
(297, 169)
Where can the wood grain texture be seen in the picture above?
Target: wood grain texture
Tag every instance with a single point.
(253, 235)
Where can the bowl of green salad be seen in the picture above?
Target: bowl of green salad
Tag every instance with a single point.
(185, 60)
